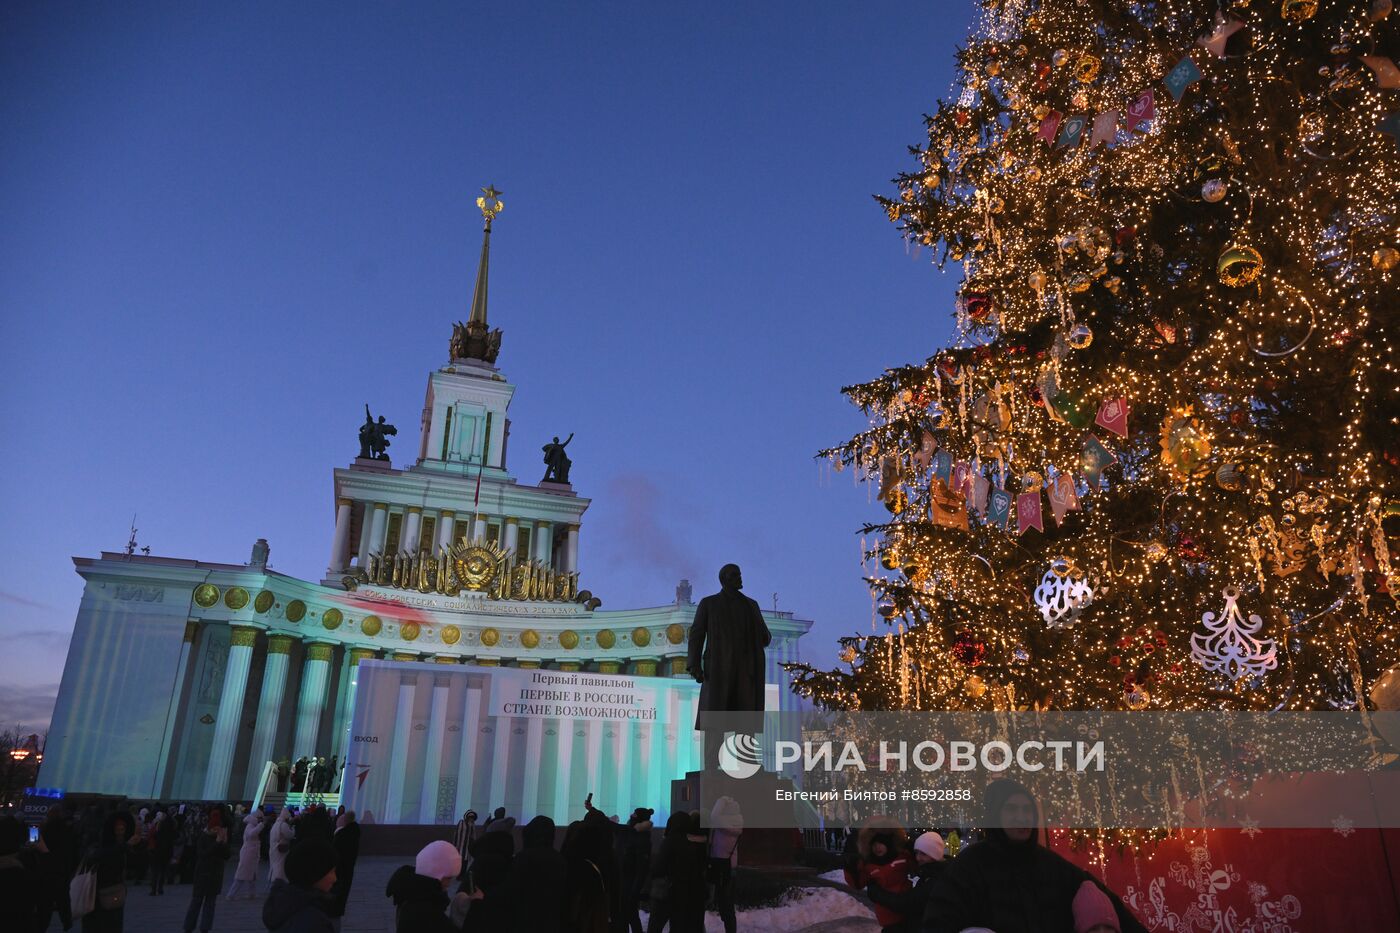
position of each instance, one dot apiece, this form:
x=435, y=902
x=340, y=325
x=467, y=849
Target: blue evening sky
x=228, y=226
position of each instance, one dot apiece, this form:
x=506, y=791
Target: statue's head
x=730, y=577
x=381, y=419
x=556, y=438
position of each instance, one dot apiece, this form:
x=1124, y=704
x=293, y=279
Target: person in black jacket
x=19, y=876
x=301, y=904
x=115, y=841
x=420, y=895
x=58, y=859
x=633, y=854
x=211, y=851
x=1009, y=882
x=347, y=851
x=538, y=867
x=677, y=889
x=162, y=850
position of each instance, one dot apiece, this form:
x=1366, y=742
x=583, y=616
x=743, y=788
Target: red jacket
x=893, y=877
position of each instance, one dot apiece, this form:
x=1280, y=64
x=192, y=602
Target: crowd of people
x=309, y=774
x=598, y=881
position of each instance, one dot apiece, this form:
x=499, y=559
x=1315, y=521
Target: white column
x=500, y=764
x=534, y=742
x=432, y=763
x=544, y=533
x=274, y=684
x=172, y=716
x=563, y=776
x=342, y=737
x=446, y=518
x=398, y=754
x=340, y=544
x=366, y=534
x=240, y=656
x=512, y=535
x=408, y=535
x=622, y=753
x=657, y=759
x=498, y=442
x=571, y=550
x=466, y=755
x=312, y=701
x=380, y=531
x=592, y=755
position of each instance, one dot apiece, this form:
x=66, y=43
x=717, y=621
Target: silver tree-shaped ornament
x=1229, y=645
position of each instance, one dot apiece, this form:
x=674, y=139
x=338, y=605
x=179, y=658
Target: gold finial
x=490, y=203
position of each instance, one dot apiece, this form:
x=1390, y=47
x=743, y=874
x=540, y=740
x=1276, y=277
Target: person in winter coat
x=301, y=903
x=929, y=849
x=726, y=826
x=466, y=835
x=1009, y=882
x=678, y=888
x=346, y=842
x=493, y=856
x=58, y=858
x=537, y=867
x=420, y=894
x=245, y=876
x=19, y=876
x=882, y=848
x=162, y=849
x=211, y=851
x=279, y=845
x=587, y=857
x=115, y=842
x=632, y=850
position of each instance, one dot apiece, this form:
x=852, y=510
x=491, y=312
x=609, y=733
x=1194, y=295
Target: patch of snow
x=801, y=907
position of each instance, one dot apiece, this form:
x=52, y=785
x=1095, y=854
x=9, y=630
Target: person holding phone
x=18, y=876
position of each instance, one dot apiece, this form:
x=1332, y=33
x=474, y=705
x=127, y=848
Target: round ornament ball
x=1032, y=174
x=1230, y=477
x=968, y=649
x=1214, y=190
x=1385, y=695
x=1137, y=698
x=1080, y=336
x=1298, y=11
x=1038, y=280
x=974, y=686
x=1385, y=258
x=1059, y=58
x=1239, y=265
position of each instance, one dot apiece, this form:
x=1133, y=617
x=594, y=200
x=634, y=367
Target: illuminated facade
x=185, y=677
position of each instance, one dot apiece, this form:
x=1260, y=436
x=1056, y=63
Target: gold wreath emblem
x=478, y=565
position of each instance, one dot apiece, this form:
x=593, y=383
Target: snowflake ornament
x=1062, y=593
x=1229, y=645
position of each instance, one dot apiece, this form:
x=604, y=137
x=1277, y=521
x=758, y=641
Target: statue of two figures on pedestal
x=374, y=437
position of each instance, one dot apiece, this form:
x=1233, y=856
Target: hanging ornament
x=968, y=649
x=991, y=418
x=1038, y=280
x=1059, y=58
x=1113, y=416
x=1155, y=551
x=1214, y=190
x=1062, y=593
x=1230, y=477
x=1137, y=697
x=1239, y=265
x=1062, y=497
x=1229, y=645
x=974, y=686
x=1079, y=336
x=1086, y=69
x=978, y=306
x=1385, y=258
x=848, y=654
x=1184, y=445
x=1298, y=11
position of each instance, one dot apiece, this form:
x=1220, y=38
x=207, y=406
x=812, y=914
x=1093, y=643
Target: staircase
x=267, y=796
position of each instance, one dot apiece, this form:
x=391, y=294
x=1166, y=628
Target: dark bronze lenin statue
x=727, y=640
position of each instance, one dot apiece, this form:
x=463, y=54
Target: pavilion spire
x=475, y=340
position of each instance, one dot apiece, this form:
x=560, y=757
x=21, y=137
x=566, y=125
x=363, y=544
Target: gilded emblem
x=451, y=634
x=206, y=595
x=331, y=619
x=606, y=638
x=478, y=565
x=530, y=638
x=408, y=631
x=489, y=637
x=371, y=625
x=296, y=610
x=675, y=633
x=641, y=637
x=568, y=639
x=263, y=601
x=236, y=597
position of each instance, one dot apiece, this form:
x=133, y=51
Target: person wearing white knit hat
x=420, y=897
x=928, y=857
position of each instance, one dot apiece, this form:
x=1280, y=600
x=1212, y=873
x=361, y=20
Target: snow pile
x=801, y=907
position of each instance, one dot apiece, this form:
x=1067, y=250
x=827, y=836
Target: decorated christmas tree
x=1159, y=465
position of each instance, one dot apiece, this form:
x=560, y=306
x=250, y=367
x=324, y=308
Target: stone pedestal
x=372, y=465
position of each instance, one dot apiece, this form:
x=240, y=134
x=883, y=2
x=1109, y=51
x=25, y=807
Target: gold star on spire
x=490, y=203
